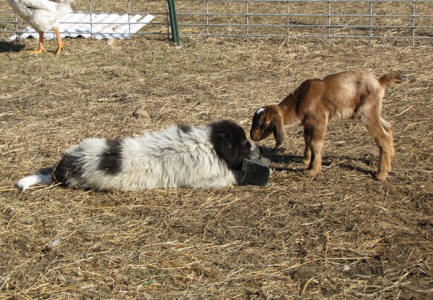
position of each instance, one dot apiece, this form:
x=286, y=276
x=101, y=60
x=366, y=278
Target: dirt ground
x=343, y=235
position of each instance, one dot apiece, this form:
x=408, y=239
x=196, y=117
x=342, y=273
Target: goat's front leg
x=279, y=133
x=389, y=131
x=381, y=131
x=385, y=164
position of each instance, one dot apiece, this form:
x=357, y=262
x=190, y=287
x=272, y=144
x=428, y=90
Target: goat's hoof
x=306, y=161
x=382, y=176
x=279, y=149
x=312, y=173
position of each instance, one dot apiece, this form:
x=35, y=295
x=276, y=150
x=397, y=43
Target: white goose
x=43, y=15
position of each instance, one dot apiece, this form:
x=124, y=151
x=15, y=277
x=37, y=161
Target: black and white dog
x=199, y=157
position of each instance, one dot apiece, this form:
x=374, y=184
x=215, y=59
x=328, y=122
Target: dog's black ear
x=224, y=137
x=227, y=149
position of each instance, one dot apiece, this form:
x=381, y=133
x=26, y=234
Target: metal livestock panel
x=395, y=21
x=407, y=22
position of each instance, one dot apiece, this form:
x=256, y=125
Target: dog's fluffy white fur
x=199, y=157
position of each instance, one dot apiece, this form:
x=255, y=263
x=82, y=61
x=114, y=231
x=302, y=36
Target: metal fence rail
x=407, y=22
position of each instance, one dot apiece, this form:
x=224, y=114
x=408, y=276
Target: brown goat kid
x=315, y=102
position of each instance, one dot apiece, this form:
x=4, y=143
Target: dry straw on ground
x=343, y=235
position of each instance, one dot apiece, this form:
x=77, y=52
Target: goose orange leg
x=60, y=44
x=41, y=44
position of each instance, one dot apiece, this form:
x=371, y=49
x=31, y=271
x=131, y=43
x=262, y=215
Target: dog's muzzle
x=255, y=151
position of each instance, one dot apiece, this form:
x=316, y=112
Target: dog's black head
x=230, y=143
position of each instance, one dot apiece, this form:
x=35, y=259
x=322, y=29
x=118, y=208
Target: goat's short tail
x=392, y=77
x=44, y=176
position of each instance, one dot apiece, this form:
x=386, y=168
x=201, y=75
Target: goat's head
x=263, y=123
x=267, y=120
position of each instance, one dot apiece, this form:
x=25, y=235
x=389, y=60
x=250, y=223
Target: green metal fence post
x=173, y=22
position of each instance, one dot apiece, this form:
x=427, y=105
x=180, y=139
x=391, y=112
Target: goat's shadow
x=10, y=47
x=344, y=161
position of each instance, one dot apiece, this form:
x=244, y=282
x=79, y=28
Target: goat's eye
x=263, y=126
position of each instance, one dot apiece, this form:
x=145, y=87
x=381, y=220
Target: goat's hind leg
x=308, y=132
x=318, y=133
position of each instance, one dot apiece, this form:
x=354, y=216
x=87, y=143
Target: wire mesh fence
x=408, y=22
x=396, y=21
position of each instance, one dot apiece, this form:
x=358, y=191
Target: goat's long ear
x=278, y=130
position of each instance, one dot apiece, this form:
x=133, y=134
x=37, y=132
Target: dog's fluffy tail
x=392, y=77
x=44, y=176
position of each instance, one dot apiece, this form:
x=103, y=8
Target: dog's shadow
x=344, y=162
x=10, y=47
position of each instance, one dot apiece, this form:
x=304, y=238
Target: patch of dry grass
x=342, y=236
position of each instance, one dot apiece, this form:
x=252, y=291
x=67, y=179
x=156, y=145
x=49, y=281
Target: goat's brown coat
x=315, y=102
